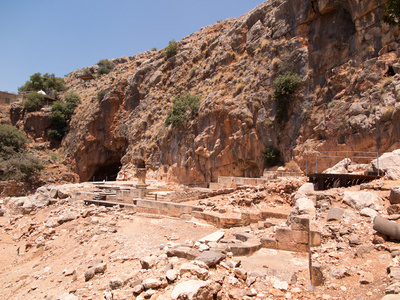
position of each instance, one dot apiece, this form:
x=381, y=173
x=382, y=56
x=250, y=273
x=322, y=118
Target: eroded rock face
x=340, y=49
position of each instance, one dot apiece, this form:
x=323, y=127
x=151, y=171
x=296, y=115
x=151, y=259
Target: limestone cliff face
x=348, y=99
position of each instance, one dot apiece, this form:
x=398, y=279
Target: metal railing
x=337, y=156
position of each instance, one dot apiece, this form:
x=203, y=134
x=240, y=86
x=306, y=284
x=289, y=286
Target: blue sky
x=60, y=36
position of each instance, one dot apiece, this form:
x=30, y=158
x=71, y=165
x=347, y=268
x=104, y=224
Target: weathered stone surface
x=394, y=196
x=151, y=283
x=393, y=288
x=362, y=199
x=171, y=275
x=213, y=237
x=192, y=290
x=368, y=212
x=303, y=207
x=211, y=258
x=67, y=296
x=335, y=214
x=195, y=270
x=183, y=252
x=338, y=273
x=116, y=283
x=393, y=209
x=388, y=164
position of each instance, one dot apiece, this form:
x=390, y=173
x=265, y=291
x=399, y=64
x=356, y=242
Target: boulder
x=394, y=196
x=116, y=283
x=151, y=283
x=195, y=270
x=305, y=190
x=192, y=290
x=335, y=214
x=303, y=207
x=211, y=258
x=388, y=164
x=368, y=212
x=360, y=200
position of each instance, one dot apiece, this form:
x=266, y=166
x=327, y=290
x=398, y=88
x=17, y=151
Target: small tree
x=171, y=49
x=285, y=86
x=11, y=139
x=61, y=114
x=47, y=82
x=34, y=102
x=184, y=107
x=105, y=67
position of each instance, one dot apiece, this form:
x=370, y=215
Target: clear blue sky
x=60, y=36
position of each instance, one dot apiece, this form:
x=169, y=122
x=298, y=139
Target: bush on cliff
x=171, y=49
x=15, y=162
x=184, y=107
x=285, y=86
x=105, y=67
x=11, y=140
x=34, y=102
x=60, y=115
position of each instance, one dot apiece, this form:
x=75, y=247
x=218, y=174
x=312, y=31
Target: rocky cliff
x=348, y=99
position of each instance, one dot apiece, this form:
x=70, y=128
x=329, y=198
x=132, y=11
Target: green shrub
x=272, y=157
x=11, y=139
x=171, y=49
x=21, y=167
x=61, y=114
x=285, y=86
x=184, y=107
x=47, y=82
x=34, y=102
x=105, y=67
x=154, y=49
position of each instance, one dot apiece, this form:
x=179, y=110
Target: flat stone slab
x=276, y=263
x=335, y=214
x=211, y=258
x=213, y=237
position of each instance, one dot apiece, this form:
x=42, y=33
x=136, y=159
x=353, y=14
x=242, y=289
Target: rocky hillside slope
x=348, y=99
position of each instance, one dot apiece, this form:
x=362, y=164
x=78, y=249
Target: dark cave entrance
x=107, y=171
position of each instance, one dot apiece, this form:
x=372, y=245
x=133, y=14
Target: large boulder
x=193, y=290
x=304, y=207
x=388, y=164
x=360, y=200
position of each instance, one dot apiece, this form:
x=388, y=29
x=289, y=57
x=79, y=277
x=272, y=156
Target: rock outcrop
x=348, y=98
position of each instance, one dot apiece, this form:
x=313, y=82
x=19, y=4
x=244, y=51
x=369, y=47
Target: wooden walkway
x=327, y=181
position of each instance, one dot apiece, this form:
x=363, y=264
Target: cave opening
x=107, y=171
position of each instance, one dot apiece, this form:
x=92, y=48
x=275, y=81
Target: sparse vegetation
x=11, y=140
x=184, y=107
x=285, y=86
x=34, y=102
x=171, y=49
x=47, y=82
x=15, y=162
x=105, y=67
x=272, y=157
